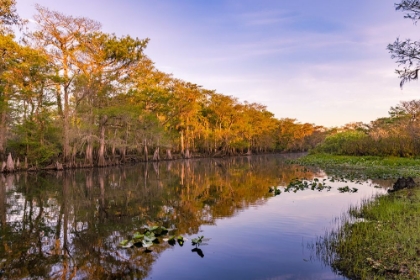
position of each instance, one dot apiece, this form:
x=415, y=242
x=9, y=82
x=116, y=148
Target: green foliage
x=378, y=240
x=35, y=144
x=86, y=93
x=350, y=142
x=153, y=235
x=8, y=15
x=197, y=241
x=364, y=167
x=147, y=239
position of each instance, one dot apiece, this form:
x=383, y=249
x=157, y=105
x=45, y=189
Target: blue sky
x=319, y=61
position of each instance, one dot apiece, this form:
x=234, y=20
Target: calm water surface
x=69, y=225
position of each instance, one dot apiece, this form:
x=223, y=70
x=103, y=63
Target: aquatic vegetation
x=275, y=190
x=150, y=237
x=315, y=184
x=146, y=239
x=377, y=240
x=172, y=240
x=347, y=189
x=197, y=241
x=363, y=167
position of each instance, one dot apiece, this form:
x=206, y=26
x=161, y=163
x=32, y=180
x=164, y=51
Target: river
x=72, y=224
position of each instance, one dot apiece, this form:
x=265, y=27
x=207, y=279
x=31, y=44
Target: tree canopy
x=75, y=94
x=407, y=52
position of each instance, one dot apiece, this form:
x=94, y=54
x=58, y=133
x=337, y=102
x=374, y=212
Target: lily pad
x=137, y=235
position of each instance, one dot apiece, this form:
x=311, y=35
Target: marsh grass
x=364, y=167
x=380, y=239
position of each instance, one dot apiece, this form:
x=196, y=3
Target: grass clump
x=378, y=240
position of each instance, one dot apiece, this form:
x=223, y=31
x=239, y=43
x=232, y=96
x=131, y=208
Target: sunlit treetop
x=8, y=15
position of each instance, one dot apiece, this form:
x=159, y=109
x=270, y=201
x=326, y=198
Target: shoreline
x=57, y=166
x=377, y=239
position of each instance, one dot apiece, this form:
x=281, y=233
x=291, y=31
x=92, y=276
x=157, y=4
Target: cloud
x=262, y=18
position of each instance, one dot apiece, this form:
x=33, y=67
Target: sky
x=318, y=61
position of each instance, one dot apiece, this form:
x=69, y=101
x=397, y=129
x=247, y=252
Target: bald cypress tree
x=407, y=52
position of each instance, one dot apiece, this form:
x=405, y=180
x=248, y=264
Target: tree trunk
x=187, y=154
x=66, y=130
x=146, y=152
x=3, y=202
x=182, y=142
x=169, y=154
x=2, y=133
x=123, y=152
x=156, y=156
x=113, y=149
x=58, y=166
x=89, y=154
x=101, y=155
x=10, y=165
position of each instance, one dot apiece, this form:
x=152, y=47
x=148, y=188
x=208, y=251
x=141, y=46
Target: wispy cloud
x=265, y=17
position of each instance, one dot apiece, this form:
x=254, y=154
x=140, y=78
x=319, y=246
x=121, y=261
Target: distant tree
x=8, y=15
x=409, y=109
x=407, y=52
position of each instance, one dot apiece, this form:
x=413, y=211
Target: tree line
x=71, y=93
x=399, y=133
x=396, y=135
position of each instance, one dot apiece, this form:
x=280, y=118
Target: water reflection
x=69, y=224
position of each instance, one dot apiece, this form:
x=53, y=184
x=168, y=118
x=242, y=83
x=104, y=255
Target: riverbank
x=377, y=240
x=364, y=167
x=11, y=165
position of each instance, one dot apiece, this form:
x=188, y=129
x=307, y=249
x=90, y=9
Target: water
x=70, y=224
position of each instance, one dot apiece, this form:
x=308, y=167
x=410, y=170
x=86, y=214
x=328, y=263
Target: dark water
x=69, y=225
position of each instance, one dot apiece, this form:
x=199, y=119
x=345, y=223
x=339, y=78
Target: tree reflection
x=69, y=224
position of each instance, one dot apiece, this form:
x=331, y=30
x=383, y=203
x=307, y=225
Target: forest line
x=71, y=94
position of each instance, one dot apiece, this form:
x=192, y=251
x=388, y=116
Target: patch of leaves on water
x=318, y=185
x=197, y=242
x=275, y=190
x=146, y=237
x=301, y=185
x=172, y=240
x=347, y=189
